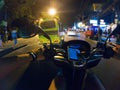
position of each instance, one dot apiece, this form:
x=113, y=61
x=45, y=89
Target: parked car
x=71, y=33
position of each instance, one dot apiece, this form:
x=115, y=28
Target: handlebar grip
x=35, y=53
x=34, y=56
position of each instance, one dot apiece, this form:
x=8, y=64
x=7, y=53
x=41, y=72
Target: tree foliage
x=20, y=8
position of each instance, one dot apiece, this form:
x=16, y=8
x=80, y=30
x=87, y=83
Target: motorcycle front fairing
x=74, y=69
x=85, y=57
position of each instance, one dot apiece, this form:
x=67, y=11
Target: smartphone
x=73, y=53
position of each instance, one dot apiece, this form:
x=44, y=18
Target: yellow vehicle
x=51, y=27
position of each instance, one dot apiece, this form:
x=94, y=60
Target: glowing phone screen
x=73, y=53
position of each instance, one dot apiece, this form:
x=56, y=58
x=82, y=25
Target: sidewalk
x=10, y=44
x=22, y=46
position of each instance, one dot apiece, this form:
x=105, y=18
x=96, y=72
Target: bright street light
x=52, y=11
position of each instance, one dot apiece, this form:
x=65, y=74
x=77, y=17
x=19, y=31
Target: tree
x=19, y=8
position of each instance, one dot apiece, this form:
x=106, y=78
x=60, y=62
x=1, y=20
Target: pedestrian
x=88, y=33
x=105, y=32
x=14, y=36
x=99, y=33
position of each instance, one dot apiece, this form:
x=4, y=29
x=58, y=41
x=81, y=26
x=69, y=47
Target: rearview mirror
x=116, y=30
x=27, y=29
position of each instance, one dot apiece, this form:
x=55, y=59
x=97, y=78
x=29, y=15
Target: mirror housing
x=27, y=28
x=24, y=27
x=114, y=32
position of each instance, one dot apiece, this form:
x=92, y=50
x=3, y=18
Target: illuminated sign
x=94, y=22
